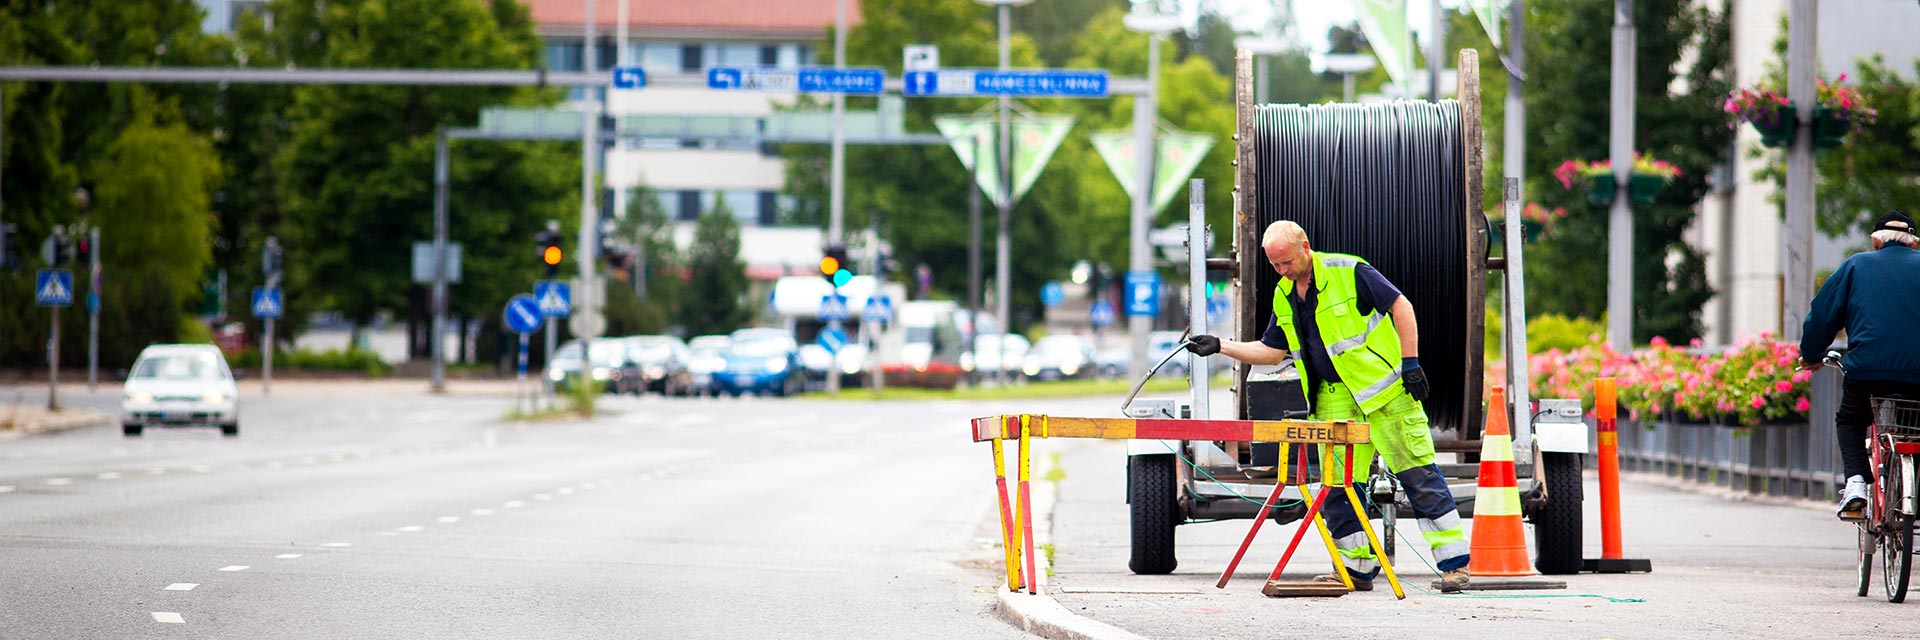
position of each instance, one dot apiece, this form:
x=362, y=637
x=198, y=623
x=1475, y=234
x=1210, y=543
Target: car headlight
x=139, y=397
x=214, y=398
x=656, y=371
x=1069, y=369
x=776, y=365
x=1033, y=368
x=556, y=375
x=601, y=374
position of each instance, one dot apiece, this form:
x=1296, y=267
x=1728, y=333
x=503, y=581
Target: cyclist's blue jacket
x=1875, y=296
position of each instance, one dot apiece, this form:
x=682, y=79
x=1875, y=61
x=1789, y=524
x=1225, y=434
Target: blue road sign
x=832, y=339
x=1065, y=83
x=1143, y=293
x=1217, y=309
x=1052, y=294
x=879, y=309
x=629, y=77
x=523, y=314
x=267, y=302
x=833, y=308
x=93, y=302
x=53, y=288
x=555, y=298
x=1101, y=316
x=852, y=80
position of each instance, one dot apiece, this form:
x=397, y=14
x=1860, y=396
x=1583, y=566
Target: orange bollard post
x=1612, y=557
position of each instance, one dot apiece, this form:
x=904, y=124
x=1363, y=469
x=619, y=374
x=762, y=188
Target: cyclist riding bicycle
x=1875, y=296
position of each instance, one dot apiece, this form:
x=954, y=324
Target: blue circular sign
x=523, y=314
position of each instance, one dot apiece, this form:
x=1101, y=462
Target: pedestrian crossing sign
x=53, y=288
x=267, y=303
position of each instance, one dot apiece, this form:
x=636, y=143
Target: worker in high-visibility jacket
x=1355, y=342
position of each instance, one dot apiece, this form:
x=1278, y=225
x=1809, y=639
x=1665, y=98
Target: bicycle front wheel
x=1896, y=532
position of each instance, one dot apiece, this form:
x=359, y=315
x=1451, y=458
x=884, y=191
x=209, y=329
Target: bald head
x=1285, y=244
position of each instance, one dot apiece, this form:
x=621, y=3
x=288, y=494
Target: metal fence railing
x=1798, y=460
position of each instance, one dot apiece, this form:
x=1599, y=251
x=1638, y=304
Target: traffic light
x=835, y=267
x=84, y=250
x=62, y=249
x=550, y=253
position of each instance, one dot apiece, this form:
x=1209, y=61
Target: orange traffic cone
x=1499, y=544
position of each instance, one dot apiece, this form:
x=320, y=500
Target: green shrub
x=360, y=360
x=1547, y=332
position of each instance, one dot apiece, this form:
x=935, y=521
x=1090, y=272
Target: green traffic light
x=841, y=277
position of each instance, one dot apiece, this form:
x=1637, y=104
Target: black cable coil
x=1383, y=182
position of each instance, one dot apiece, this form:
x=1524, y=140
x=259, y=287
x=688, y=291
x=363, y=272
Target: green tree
x=151, y=204
x=715, y=300
x=1568, y=118
x=1875, y=169
x=1054, y=25
x=659, y=269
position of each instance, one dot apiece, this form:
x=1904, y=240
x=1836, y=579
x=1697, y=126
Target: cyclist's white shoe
x=1853, y=499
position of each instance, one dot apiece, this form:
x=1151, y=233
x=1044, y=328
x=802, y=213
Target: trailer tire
x=1152, y=498
x=1557, y=524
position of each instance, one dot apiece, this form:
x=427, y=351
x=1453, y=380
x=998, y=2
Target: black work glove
x=1203, y=345
x=1414, y=378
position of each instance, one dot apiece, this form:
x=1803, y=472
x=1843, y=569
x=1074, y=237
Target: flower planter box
x=1642, y=187
x=1601, y=189
x=1779, y=134
x=1829, y=130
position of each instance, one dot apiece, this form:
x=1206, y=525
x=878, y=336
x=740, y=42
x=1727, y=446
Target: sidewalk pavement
x=21, y=419
x=1721, y=568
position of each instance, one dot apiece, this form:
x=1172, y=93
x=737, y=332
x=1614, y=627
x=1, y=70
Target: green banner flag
x=975, y=140
x=1177, y=154
x=1489, y=13
x=1385, y=24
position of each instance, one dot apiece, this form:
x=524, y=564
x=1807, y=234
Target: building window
x=689, y=208
x=690, y=58
x=606, y=55
x=660, y=55
x=769, y=208
x=564, y=56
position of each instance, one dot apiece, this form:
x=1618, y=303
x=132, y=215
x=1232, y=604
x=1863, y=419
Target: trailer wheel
x=1153, y=501
x=1556, y=524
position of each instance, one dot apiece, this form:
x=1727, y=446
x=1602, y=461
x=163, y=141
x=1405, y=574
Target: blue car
x=761, y=361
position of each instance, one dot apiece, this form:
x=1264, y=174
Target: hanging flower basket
x=1837, y=111
x=1778, y=134
x=1601, y=189
x=1646, y=187
x=1829, y=130
x=1767, y=110
x=1649, y=178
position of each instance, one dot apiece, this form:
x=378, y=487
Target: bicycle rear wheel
x=1896, y=529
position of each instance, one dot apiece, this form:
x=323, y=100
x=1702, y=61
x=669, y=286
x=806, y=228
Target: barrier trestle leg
x=1009, y=539
x=1026, y=503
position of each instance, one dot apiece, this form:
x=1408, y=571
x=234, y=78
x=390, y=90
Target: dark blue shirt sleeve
x=1372, y=290
x=1274, y=337
x=1828, y=315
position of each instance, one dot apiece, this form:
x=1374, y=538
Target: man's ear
x=1306, y=245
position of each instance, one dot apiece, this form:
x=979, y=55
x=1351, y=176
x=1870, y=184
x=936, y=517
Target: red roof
x=718, y=17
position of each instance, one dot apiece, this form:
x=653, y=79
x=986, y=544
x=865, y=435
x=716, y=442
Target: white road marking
x=59, y=482
x=110, y=475
x=411, y=528
x=448, y=519
x=542, y=496
x=168, y=617
x=482, y=512
x=589, y=485
x=514, y=504
x=275, y=464
x=336, y=544
x=200, y=468
x=565, y=491
x=386, y=533
x=156, y=471
x=6, y=488
x=181, y=586
x=235, y=567
x=309, y=460
x=287, y=556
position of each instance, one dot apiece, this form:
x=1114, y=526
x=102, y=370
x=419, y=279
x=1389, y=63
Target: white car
x=180, y=385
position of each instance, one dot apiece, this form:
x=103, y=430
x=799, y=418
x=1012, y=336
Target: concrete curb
x=1040, y=614
x=23, y=422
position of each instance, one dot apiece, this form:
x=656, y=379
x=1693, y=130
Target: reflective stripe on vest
x=1367, y=358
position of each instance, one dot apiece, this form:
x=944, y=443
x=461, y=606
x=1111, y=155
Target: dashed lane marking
x=110, y=475
x=482, y=512
x=542, y=496
x=287, y=556
x=168, y=617
x=156, y=471
x=6, y=488
x=447, y=519
x=59, y=482
x=336, y=545
x=200, y=468
x=565, y=491
x=181, y=586
x=235, y=567
x=386, y=533
x=514, y=504
x=411, y=528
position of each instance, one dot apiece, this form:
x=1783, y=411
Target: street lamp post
x=1140, y=253
x=1263, y=49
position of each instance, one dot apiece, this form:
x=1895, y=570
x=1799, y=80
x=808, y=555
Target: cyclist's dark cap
x=1895, y=220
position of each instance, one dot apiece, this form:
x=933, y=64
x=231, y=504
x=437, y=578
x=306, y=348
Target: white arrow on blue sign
x=267, y=302
x=833, y=308
x=629, y=78
x=1143, y=293
x=1101, y=315
x=852, y=80
x=879, y=310
x=832, y=339
x=1066, y=83
x=522, y=314
x=53, y=287
x=555, y=298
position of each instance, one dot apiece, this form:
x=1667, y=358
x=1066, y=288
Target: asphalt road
x=357, y=511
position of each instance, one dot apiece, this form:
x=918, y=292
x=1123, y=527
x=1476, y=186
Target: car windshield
x=1059, y=347
x=919, y=334
x=652, y=350
x=707, y=352
x=178, y=366
x=761, y=348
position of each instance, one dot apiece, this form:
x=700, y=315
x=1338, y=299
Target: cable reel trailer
x=1399, y=184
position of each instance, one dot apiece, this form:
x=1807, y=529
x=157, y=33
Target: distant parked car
x=1112, y=362
x=763, y=361
x=817, y=361
x=657, y=364
x=180, y=385
x=608, y=356
x=1059, y=356
x=999, y=355
x=704, y=360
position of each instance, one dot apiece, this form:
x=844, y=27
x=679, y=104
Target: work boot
x=1359, y=584
x=1454, y=581
x=1853, y=499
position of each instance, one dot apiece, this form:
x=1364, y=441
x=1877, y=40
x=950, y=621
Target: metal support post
x=1140, y=253
x=1798, y=233
x=93, y=309
x=439, y=301
x=1003, y=251
x=1197, y=293
x=1515, y=291
x=1436, y=43
x=520, y=389
x=53, y=364
x=837, y=196
x=973, y=272
x=589, y=198
x=1620, y=220
x=552, y=338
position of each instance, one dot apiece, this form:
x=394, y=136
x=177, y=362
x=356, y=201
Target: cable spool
x=1389, y=183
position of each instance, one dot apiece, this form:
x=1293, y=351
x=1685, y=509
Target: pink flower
x=1659, y=341
x=1758, y=403
x=1802, y=376
x=1801, y=405
x=1782, y=386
